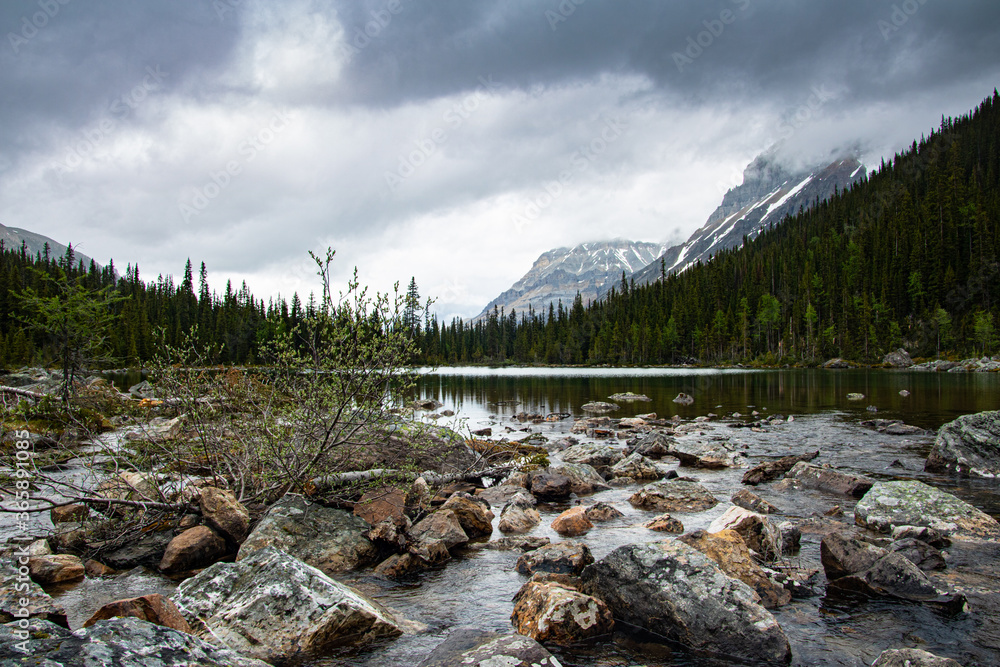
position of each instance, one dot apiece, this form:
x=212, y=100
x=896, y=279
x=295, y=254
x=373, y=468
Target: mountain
x=769, y=192
x=589, y=268
x=35, y=243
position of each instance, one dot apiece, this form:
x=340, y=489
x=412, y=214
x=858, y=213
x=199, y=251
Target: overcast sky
x=449, y=140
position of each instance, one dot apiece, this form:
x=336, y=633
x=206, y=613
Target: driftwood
x=435, y=479
x=24, y=393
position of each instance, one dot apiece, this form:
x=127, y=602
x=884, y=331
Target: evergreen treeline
x=908, y=256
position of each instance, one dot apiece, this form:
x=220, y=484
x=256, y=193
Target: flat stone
x=673, y=496
x=567, y=557
x=751, y=501
x=912, y=657
x=470, y=647
x=769, y=471
x=827, y=479
x=911, y=503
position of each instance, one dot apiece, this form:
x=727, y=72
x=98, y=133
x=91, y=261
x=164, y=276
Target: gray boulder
x=276, y=608
x=116, y=642
x=969, y=445
x=826, y=479
x=476, y=648
x=16, y=588
x=911, y=503
x=583, y=478
x=636, y=466
x=893, y=576
x=912, y=657
x=771, y=470
x=600, y=457
x=673, y=590
x=710, y=455
x=653, y=445
x=329, y=539
x=673, y=496
x=566, y=557
x=899, y=358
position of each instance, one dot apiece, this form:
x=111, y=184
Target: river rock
x=223, y=512
x=382, y=503
x=583, y=478
x=653, y=445
x=894, y=576
x=603, y=511
x=600, y=457
x=673, y=496
x=549, y=612
x=791, y=535
x=829, y=480
x=153, y=608
x=599, y=406
x=550, y=486
x=731, y=554
x=519, y=515
x=630, y=397
x=969, y=445
x=756, y=530
x=664, y=524
x=56, y=569
x=636, y=466
x=749, y=500
x=128, y=485
x=919, y=553
x=444, y=526
x=892, y=427
x=329, y=539
x=470, y=647
x=898, y=358
x=843, y=555
x=274, y=607
x=116, y=642
x=96, y=569
x=705, y=455
x=912, y=657
x=923, y=533
x=683, y=399
x=566, y=557
x=673, y=590
x=17, y=588
x=147, y=551
x=854, y=396
x=473, y=514
x=572, y=523
x=631, y=422
x=197, y=547
x=771, y=470
x=912, y=503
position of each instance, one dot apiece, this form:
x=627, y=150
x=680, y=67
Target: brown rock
x=572, y=522
x=568, y=557
x=756, y=530
x=419, y=496
x=730, y=552
x=153, y=608
x=97, y=569
x=749, y=500
x=603, y=511
x=674, y=496
x=224, y=513
x=446, y=492
x=843, y=555
x=554, y=613
x=55, y=568
x=564, y=580
x=664, y=524
x=551, y=486
x=772, y=470
x=188, y=521
x=379, y=504
x=390, y=532
x=441, y=525
x=827, y=479
x=198, y=547
x=74, y=512
x=518, y=516
x=473, y=514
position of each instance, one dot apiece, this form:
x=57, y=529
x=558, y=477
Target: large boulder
x=843, y=555
x=473, y=514
x=442, y=526
x=600, y=457
x=769, y=471
x=18, y=593
x=673, y=590
x=898, y=358
x=56, y=569
x=476, y=648
x=756, y=530
x=912, y=503
x=653, y=445
x=969, y=445
x=893, y=576
x=223, y=512
x=731, y=554
x=549, y=612
x=153, y=608
x=572, y=522
x=274, y=607
x=583, y=478
x=550, y=486
x=329, y=539
x=636, y=466
x=673, y=496
x=519, y=515
x=912, y=657
x=829, y=480
x=116, y=642
x=711, y=455
x=567, y=557
x=196, y=547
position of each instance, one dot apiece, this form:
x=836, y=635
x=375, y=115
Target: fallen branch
x=344, y=478
x=107, y=502
x=24, y=393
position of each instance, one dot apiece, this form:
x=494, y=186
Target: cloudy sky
x=449, y=140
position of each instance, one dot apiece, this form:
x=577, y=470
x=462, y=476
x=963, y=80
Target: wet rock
x=919, y=553
x=664, y=524
x=673, y=496
x=483, y=432
x=631, y=422
x=599, y=406
x=855, y=397
x=791, y=535
x=673, y=590
x=550, y=486
x=683, y=399
x=427, y=404
x=892, y=427
x=390, y=533
x=567, y=557
x=829, y=480
x=969, y=445
x=630, y=397
x=95, y=569
x=276, y=608
x=600, y=457
x=518, y=543
x=329, y=539
x=751, y=501
x=572, y=523
x=922, y=533
x=18, y=593
x=756, y=530
x=519, y=515
x=198, y=547
x=476, y=648
x=912, y=657
x=731, y=554
x=378, y=504
x=223, y=512
x=771, y=470
x=603, y=511
x=442, y=525
x=147, y=551
x=836, y=362
x=894, y=576
x=473, y=514
x=56, y=569
x=653, y=445
x=912, y=503
x=711, y=455
x=74, y=512
x=843, y=555
x=419, y=557
x=636, y=466
x=448, y=490
x=118, y=642
x=583, y=478
x=153, y=608
x=549, y=612
x=898, y=358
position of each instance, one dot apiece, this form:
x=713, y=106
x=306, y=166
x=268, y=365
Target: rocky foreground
x=267, y=589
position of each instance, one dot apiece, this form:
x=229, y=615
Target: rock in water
x=473, y=514
x=970, y=445
x=474, y=648
x=912, y=657
x=756, y=530
x=117, y=642
x=684, y=399
x=899, y=358
x=561, y=615
x=224, y=513
x=772, y=470
x=731, y=554
x=194, y=548
x=825, y=479
x=673, y=496
x=572, y=522
x=912, y=503
x=153, y=608
x=276, y=608
x=19, y=593
x=567, y=557
x=518, y=515
x=672, y=589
